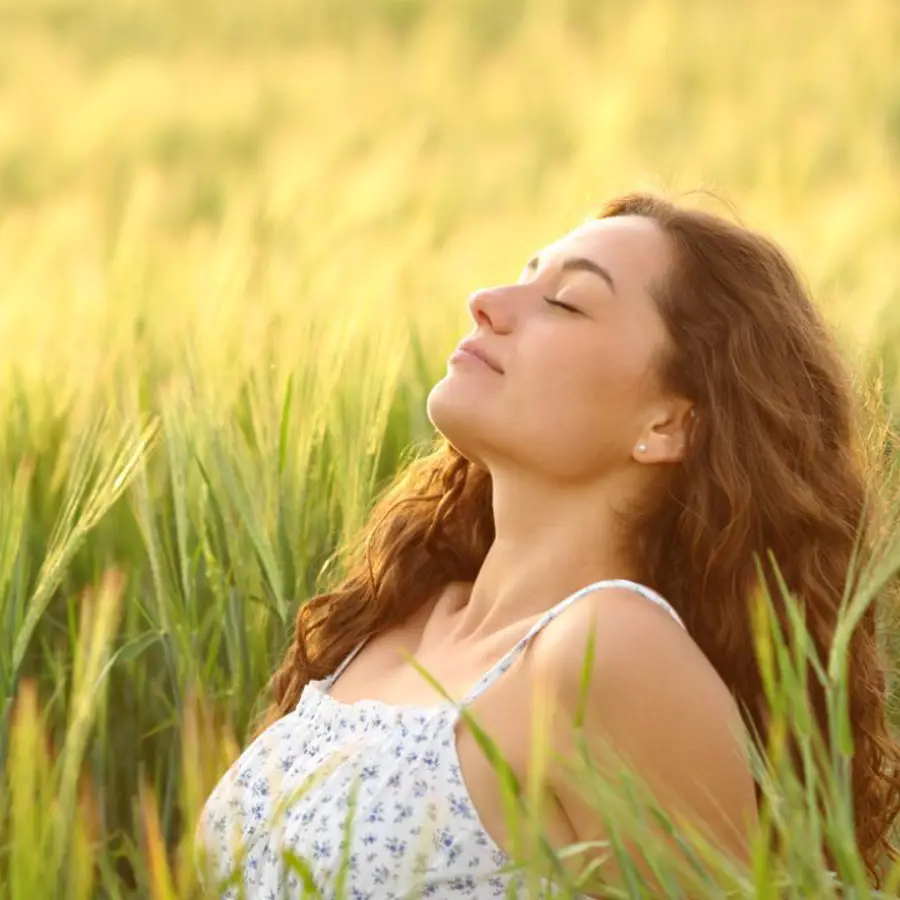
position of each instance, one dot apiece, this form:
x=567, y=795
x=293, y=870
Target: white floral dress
x=414, y=831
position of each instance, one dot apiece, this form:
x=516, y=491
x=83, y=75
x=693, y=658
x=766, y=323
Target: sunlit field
x=236, y=245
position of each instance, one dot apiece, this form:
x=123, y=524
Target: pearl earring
x=642, y=448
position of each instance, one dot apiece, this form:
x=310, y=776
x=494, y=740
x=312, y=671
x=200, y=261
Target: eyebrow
x=580, y=264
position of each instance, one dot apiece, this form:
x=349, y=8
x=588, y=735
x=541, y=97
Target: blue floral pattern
x=389, y=773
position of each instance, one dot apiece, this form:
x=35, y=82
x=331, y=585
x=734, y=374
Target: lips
x=473, y=347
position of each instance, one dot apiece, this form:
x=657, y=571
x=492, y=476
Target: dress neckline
x=319, y=687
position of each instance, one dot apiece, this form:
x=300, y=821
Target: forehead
x=633, y=248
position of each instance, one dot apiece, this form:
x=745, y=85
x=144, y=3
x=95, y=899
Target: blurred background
x=236, y=245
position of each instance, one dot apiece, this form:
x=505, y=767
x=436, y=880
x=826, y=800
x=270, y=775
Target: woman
x=651, y=407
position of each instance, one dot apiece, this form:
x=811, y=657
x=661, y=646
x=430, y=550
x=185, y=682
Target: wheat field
x=236, y=244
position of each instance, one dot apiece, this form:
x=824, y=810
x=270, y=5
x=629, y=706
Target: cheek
x=588, y=378
x=576, y=416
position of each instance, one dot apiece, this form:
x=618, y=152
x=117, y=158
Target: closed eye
x=553, y=302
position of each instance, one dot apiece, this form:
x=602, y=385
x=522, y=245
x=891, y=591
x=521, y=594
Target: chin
x=455, y=417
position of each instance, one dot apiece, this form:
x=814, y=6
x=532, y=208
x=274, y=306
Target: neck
x=551, y=540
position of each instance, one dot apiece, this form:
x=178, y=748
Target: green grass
x=236, y=242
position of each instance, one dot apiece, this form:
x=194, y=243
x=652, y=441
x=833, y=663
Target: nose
x=488, y=307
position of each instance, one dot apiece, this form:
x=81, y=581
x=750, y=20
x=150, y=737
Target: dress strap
x=499, y=668
x=333, y=677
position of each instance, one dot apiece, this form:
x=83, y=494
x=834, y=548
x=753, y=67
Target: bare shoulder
x=655, y=697
x=637, y=645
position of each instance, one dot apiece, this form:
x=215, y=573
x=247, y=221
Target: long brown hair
x=774, y=463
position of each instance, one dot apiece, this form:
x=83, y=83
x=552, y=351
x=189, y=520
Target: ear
x=665, y=433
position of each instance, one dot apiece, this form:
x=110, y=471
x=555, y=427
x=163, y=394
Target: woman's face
x=577, y=384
